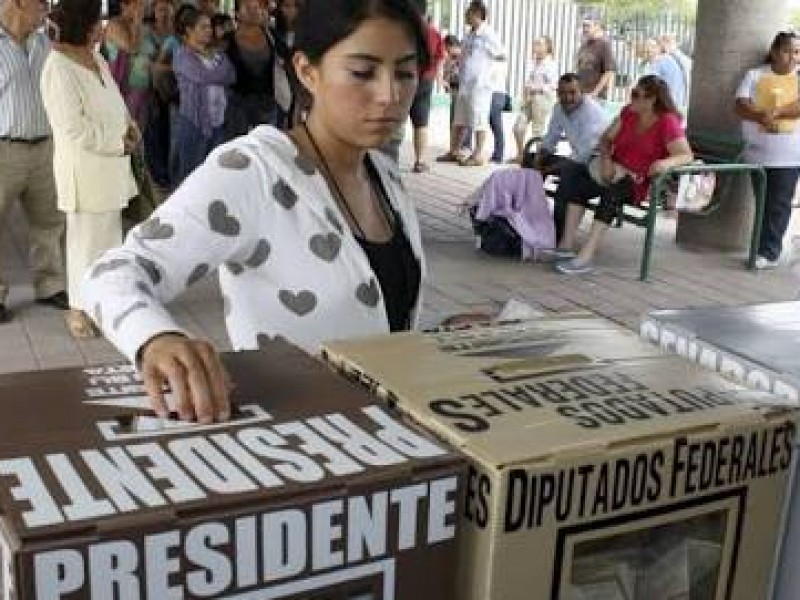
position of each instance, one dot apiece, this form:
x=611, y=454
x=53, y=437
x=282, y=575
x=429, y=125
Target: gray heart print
x=300, y=303
x=150, y=268
x=284, y=195
x=108, y=266
x=306, y=165
x=233, y=159
x=333, y=219
x=197, y=274
x=220, y=221
x=154, y=229
x=368, y=293
x=260, y=254
x=142, y=287
x=325, y=246
x=234, y=267
x=127, y=313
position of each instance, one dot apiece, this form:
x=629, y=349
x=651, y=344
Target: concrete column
x=732, y=36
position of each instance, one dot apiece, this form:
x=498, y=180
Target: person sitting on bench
x=582, y=120
x=647, y=138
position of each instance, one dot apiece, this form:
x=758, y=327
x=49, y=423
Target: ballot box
x=596, y=470
x=313, y=490
x=758, y=345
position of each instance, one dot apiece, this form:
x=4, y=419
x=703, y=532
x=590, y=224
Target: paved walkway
x=460, y=280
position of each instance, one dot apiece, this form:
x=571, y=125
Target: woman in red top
x=647, y=138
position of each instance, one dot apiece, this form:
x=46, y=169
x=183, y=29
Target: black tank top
x=394, y=264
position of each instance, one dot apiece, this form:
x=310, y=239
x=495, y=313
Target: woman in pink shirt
x=647, y=138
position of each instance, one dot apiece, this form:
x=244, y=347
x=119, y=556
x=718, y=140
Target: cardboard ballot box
x=312, y=491
x=756, y=345
x=593, y=476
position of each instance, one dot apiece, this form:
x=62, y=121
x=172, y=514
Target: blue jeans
x=496, y=125
x=191, y=147
x=781, y=184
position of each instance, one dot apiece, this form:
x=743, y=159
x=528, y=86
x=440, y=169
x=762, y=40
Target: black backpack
x=496, y=236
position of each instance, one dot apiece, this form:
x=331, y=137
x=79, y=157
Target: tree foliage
x=621, y=9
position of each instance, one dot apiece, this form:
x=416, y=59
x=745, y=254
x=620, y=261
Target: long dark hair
x=281, y=25
x=72, y=21
x=187, y=17
x=779, y=42
x=655, y=87
x=316, y=34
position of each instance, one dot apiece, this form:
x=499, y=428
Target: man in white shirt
x=481, y=49
x=26, y=150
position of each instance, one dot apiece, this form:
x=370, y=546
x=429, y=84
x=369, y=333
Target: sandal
x=472, y=161
x=80, y=326
x=448, y=158
x=420, y=167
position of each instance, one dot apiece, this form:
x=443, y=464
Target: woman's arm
x=605, y=146
x=680, y=153
x=213, y=218
x=746, y=109
x=61, y=96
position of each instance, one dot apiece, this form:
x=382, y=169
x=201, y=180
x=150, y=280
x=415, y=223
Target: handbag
x=143, y=204
x=495, y=236
x=695, y=191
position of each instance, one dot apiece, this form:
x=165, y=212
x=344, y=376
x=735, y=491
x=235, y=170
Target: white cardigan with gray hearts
x=264, y=216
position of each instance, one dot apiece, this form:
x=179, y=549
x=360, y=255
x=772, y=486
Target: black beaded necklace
x=340, y=198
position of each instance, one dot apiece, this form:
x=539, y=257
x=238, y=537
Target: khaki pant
x=89, y=235
x=26, y=175
x=535, y=111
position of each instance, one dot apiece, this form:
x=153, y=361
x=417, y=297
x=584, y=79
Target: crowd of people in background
x=168, y=83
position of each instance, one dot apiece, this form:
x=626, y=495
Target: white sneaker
x=763, y=263
x=574, y=266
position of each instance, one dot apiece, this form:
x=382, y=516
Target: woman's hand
x=192, y=368
x=607, y=169
x=132, y=139
x=657, y=167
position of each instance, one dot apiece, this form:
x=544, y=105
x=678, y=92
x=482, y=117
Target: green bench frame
x=721, y=154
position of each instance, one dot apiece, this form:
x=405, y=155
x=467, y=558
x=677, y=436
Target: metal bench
x=721, y=153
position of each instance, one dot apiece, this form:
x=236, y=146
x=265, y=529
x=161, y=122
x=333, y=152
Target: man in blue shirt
x=581, y=120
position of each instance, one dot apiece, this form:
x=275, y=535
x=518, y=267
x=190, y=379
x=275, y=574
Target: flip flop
x=472, y=162
x=448, y=158
x=420, y=167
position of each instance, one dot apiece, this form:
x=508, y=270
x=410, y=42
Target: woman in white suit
x=93, y=136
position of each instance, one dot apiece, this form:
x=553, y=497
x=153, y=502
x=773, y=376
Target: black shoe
x=58, y=300
x=5, y=314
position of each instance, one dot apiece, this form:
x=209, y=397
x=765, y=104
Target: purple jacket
x=193, y=79
x=518, y=195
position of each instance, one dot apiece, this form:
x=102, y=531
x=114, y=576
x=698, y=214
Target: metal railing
x=519, y=22
x=659, y=185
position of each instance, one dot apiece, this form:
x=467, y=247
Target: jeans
x=191, y=147
x=157, y=143
x=781, y=184
x=496, y=125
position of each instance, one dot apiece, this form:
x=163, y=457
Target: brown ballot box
x=312, y=491
x=605, y=474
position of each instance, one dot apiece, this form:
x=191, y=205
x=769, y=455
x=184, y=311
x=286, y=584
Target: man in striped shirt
x=26, y=150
